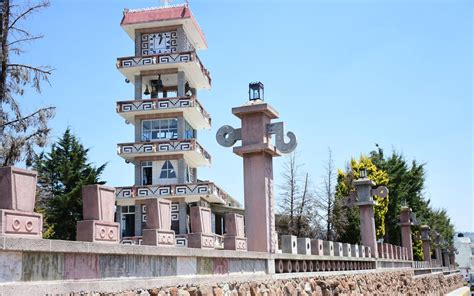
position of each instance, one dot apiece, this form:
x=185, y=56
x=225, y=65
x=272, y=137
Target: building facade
x=464, y=254
x=167, y=74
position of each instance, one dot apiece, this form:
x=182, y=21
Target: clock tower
x=167, y=74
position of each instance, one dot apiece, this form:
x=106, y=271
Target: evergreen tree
x=61, y=174
x=406, y=185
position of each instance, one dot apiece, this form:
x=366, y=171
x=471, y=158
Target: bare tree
x=290, y=191
x=326, y=196
x=296, y=215
x=20, y=133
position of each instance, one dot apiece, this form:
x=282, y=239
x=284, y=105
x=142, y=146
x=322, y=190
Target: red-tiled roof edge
x=183, y=11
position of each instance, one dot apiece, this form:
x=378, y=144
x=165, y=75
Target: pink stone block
x=235, y=243
x=234, y=238
x=234, y=225
x=81, y=266
x=17, y=189
x=20, y=224
x=158, y=214
x=98, y=203
x=157, y=237
x=201, y=240
x=200, y=220
x=98, y=231
x=317, y=247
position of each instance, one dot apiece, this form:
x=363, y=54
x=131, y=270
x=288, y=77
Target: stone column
x=426, y=240
x=138, y=87
x=181, y=83
x=445, y=257
x=257, y=152
x=366, y=208
x=405, y=227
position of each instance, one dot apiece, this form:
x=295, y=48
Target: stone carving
x=227, y=135
x=158, y=223
x=201, y=235
x=98, y=212
x=234, y=238
x=277, y=128
x=17, y=200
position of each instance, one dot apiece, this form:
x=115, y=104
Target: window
x=160, y=129
x=128, y=221
x=147, y=172
x=167, y=171
x=189, y=132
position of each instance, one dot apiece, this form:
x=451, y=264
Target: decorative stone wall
x=370, y=283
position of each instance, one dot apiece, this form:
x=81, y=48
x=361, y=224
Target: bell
x=147, y=91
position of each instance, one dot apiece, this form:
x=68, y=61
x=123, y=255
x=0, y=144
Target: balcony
x=192, y=110
x=193, y=153
x=192, y=192
x=197, y=75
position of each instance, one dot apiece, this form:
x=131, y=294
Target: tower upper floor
x=163, y=30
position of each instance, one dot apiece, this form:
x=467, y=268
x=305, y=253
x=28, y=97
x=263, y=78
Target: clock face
x=159, y=43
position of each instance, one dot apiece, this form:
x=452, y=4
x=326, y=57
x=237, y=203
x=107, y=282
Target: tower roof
x=134, y=19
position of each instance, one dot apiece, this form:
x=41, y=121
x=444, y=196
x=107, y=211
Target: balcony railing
x=171, y=103
x=130, y=150
x=421, y=264
x=166, y=58
x=203, y=189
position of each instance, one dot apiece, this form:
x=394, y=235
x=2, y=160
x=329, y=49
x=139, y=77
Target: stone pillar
x=138, y=43
x=98, y=212
x=17, y=202
x=452, y=259
x=183, y=217
x=181, y=84
x=366, y=209
x=201, y=235
x=445, y=255
x=405, y=228
x=158, y=223
x=234, y=238
x=257, y=152
x=138, y=87
x=138, y=220
x=426, y=240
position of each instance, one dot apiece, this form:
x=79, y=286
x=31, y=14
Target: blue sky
x=343, y=74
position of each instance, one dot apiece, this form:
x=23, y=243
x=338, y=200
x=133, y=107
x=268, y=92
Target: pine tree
x=61, y=174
